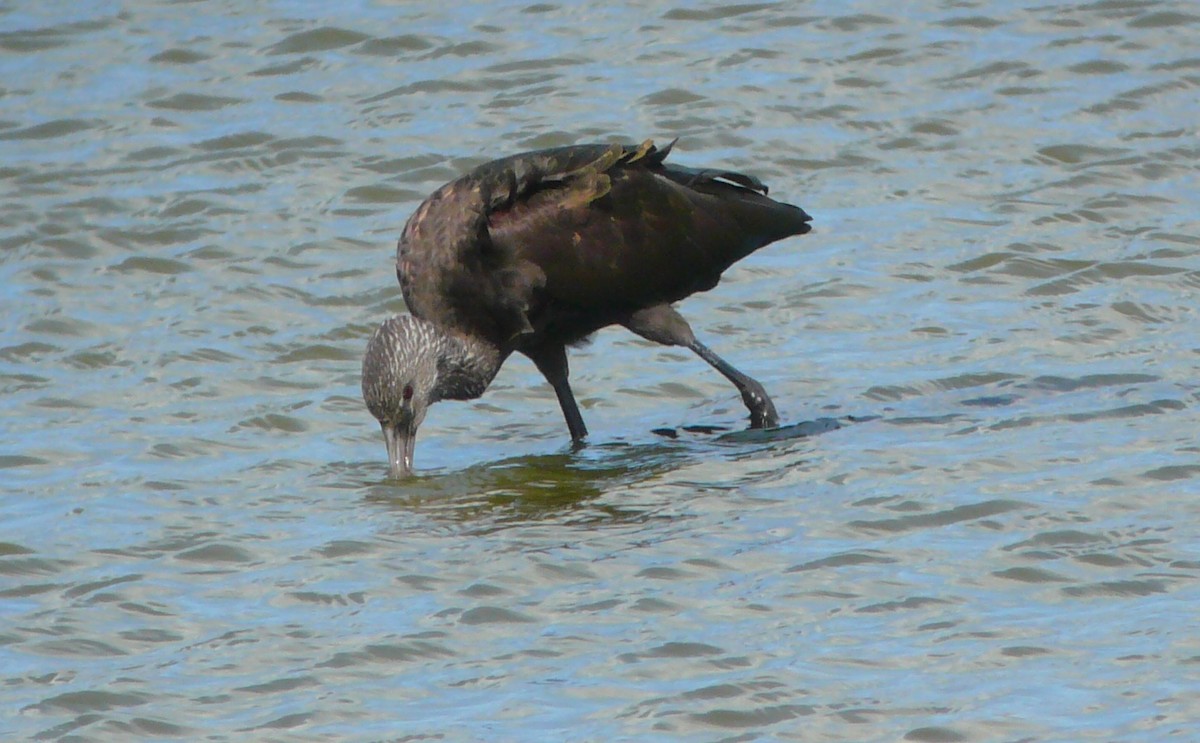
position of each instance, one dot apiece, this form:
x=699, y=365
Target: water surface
x=982, y=525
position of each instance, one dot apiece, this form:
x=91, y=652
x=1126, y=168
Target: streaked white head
x=399, y=378
x=412, y=363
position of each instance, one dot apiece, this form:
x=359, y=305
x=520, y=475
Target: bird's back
x=568, y=240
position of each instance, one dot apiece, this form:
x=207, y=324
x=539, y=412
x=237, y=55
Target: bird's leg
x=762, y=410
x=662, y=324
x=552, y=363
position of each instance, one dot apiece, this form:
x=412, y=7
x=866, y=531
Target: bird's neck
x=466, y=366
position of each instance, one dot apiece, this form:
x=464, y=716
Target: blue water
x=981, y=524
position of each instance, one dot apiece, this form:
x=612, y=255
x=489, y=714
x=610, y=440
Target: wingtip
x=660, y=153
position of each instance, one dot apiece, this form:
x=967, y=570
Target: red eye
x=408, y=392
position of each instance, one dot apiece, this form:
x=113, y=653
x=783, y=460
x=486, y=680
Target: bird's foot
x=762, y=410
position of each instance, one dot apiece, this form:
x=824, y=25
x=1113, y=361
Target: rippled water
x=1001, y=541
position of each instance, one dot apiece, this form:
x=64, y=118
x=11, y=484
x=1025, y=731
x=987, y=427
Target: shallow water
x=982, y=524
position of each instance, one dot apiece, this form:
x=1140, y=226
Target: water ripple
x=991, y=329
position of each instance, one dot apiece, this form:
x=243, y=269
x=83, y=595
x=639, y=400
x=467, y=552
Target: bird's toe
x=762, y=410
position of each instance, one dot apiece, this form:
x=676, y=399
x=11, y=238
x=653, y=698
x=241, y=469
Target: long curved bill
x=400, y=444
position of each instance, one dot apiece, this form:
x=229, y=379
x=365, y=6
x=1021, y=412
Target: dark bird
x=535, y=252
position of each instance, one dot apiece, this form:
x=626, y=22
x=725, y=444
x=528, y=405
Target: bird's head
x=399, y=378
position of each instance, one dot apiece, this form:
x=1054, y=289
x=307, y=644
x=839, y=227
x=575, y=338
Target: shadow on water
x=800, y=430
x=565, y=486
x=571, y=485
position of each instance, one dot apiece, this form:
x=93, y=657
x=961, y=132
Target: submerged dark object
x=534, y=252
